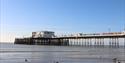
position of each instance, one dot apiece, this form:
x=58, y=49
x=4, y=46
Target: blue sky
x=21, y=17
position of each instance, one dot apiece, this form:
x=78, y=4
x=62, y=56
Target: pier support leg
x=85, y=42
x=103, y=42
x=109, y=42
x=124, y=42
x=95, y=43
x=90, y=42
x=117, y=44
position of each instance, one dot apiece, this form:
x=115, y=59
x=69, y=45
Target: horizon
x=21, y=17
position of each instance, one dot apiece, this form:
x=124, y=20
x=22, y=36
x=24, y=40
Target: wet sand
x=10, y=53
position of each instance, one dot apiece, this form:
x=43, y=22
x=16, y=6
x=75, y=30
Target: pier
x=112, y=39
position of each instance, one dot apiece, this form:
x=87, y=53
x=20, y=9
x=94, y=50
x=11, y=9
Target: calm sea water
x=14, y=53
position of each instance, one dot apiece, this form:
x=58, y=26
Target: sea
x=19, y=53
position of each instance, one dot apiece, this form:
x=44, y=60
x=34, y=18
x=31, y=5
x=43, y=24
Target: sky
x=18, y=18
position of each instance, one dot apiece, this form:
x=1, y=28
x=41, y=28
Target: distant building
x=44, y=34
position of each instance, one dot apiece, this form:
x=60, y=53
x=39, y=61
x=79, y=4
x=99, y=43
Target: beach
x=15, y=53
